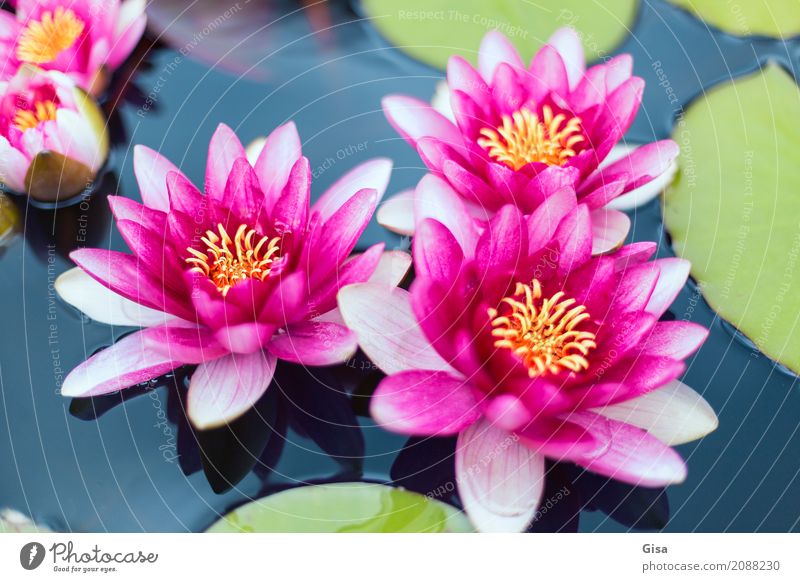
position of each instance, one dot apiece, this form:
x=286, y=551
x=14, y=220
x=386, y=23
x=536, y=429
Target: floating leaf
x=734, y=210
x=778, y=18
x=344, y=507
x=434, y=30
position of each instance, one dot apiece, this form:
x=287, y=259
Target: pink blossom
x=232, y=279
x=525, y=345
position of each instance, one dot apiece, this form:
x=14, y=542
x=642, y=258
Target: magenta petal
x=504, y=243
x=126, y=209
x=500, y=481
x=471, y=186
x=244, y=338
x=183, y=195
x=357, y=269
x=462, y=76
x=544, y=221
x=314, y=343
x=629, y=454
x=328, y=245
x=675, y=339
x=373, y=174
x=291, y=211
x=130, y=361
x=120, y=273
x=495, y=49
x=223, y=150
x=288, y=301
x=187, y=344
x=641, y=373
x=507, y=412
x=566, y=41
x=557, y=438
x=151, y=169
x=547, y=69
x=415, y=119
x=223, y=389
x=242, y=197
x=634, y=254
x=424, y=402
x=280, y=153
x=574, y=236
x=437, y=254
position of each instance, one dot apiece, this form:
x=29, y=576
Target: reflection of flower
x=82, y=38
x=52, y=136
x=232, y=280
x=527, y=347
x=523, y=134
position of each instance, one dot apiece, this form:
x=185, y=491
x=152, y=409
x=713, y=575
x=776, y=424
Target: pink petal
x=496, y=49
x=629, y=454
x=130, y=361
x=13, y=166
x=374, y=174
x=224, y=149
x=437, y=254
x=548, y=69
x=386, y=328
x=436, y=199
x=609, y=230
x=357, y=269
x=504, y=244
x=675, y=339
x=276, y=160
x=674, y=414
x=245, y=338
x=500, y=481
x=414, y=119
x=397, y=213
x=103, y=305
x=130, y=26
x=462, y=76
x=314, y=343
x=574, y=236
x=290, y=213
x=424, y=402
x=223, y=389
x=507, y=412
x=151, y=169
x=544, y=221
x=392, y=268
x=568, y=44
x=672, y=278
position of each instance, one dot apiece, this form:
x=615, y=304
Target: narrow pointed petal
x=566, y=41
x=437, y=254
x=415, y=119
x=436, y=199
x=424, y=402
x=222, y=390
x=374, y=174
x=224, y=149
x=386, y=328
x=674, y=339
x=674, y=414
x=276, y=160
x=500, y=481
x=101, y=304
x=151, y=169
x=671, y=279
x=134, y=359
x=496, y=49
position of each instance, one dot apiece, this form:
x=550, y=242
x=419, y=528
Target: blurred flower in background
x=85, y=39
x=53, y=137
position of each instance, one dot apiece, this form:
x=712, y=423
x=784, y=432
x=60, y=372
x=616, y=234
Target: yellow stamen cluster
x=228, y=261
x=543, y=333
x=524, y=138
x=30, y=118
x=43, y=40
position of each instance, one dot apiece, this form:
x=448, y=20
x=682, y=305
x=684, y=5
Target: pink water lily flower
x=84, y=39
x=53, y=138
x=523, y=133
x=232, y=279
x=527, y=347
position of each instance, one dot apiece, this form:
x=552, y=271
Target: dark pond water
x=134, y=465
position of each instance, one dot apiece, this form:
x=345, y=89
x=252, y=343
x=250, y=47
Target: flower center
x=524, y=138
x=29, y=118
x=43, y=40
x=228, y=261
x=544, y=333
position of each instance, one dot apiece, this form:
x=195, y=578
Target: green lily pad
x=434, y=30
x=776, y=18
x=734, y=210
x=344, y=507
